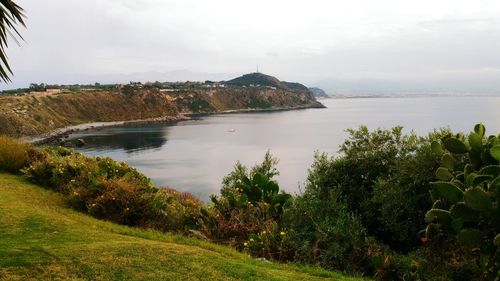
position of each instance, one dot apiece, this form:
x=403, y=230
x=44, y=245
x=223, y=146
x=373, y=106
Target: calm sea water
x=195, y=155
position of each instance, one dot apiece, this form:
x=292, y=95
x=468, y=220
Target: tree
x=11, y=15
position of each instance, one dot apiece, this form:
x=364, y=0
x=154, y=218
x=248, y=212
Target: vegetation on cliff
x=259, y=79
x=46, y=108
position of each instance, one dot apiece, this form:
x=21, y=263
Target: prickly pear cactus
x=466, y=201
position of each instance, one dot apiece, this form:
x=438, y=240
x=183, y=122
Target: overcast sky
x=340, y=45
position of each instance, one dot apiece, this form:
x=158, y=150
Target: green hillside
x=41, y=239
x=39, y=113
x=261, y=79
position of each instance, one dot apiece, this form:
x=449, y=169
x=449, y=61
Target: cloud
x=68, y=41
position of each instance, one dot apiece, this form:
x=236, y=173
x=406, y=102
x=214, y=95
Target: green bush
x=383, y=177
x=443, y=262
x=113, y=191
x=323, y=231
x=13, y=154
x=249, y=211
x=401, y=197
x=269, y=243
x=466, y=200
x=367, y=206
x=185, y=210
x=367, y=158
x=117, y=200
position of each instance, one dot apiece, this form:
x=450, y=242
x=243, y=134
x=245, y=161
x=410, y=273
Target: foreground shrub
x=401, y=197
x=324, y=232
x=466, y=201
x=383, y=177
x=362, y=210
x=249, y=211
x=111, y=190
x=117, y=200
x=13, y=154
x=444, y=262
x=185, y=211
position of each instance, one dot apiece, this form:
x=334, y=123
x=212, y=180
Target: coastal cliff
x=41, y=112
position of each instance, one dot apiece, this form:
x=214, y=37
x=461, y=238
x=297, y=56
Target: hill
x=260, y=79
x=41, y=112
x=318, y=93
x=41, y=239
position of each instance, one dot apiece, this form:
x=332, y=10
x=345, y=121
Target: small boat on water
x=231, y=130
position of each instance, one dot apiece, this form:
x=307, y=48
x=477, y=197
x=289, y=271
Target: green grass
x=42, y=239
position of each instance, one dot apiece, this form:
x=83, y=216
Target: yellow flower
x=282, y=233
x=251, y=239
x=263, y=232
x=245, y=244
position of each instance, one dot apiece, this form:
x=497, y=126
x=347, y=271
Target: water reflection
x=195, y=155
x=127, y=138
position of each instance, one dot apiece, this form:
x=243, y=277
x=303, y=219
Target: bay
x=195, y=155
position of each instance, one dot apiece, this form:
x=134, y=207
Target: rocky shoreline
x=257, y=110
x=58, y=136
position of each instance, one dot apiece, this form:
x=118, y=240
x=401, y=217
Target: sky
x=341, y=46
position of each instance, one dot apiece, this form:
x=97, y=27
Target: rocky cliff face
x=39, y=113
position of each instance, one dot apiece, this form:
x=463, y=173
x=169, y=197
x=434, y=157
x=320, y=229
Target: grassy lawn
x=42, y=239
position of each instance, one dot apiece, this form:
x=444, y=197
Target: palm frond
x=11, y=15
